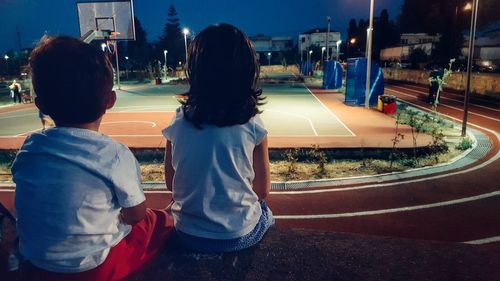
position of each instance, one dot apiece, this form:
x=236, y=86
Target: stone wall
x=482, y=83
x=279, y=69
x=263, y=69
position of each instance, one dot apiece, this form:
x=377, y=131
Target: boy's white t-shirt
x=70, y=187
x=212, y=185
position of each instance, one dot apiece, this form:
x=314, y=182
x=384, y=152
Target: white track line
x=443, y=97
x=448, y=93
x=452, y=107
x=388, y=211
x=331, y=112
x=484, y=241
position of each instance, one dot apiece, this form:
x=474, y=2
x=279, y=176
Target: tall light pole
x=269, y=58
x=369, y=57
x=126, y=67
x=310, y=58
x=470, y=59
x=165, y=52
x=185, y=31
x=338, y=50
x=328, y=19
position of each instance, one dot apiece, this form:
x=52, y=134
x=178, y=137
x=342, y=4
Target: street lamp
x=472, y=35
x=467, y=7
x=369, y=57
x=126, y=66
x=6, y=57
x=165, y=52
x=310, y=57
x=185, y=31
x=269, y=58
x=338, y=50
x=328, y=19
x=322, y=52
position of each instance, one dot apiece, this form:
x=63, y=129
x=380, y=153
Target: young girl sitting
x=216, y=158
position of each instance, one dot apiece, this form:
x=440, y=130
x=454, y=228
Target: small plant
x=398, y=137
x=441, y=81
x=292, y=157
x=320, y=158
x=438, y=144
x=464, y=144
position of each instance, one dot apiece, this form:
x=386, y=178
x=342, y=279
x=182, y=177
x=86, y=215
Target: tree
x=171, y=39
x=385, y=34
x=417, y=57
x=139, y=51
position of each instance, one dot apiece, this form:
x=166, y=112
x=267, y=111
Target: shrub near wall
x=482, y=83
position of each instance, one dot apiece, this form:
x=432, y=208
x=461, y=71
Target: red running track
x=459, y=207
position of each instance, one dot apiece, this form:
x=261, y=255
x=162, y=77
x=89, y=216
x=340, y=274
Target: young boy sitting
x=80, y=207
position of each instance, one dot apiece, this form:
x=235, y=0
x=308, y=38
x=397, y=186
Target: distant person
x=216, y=157
x=15, y=88
x=81, y=209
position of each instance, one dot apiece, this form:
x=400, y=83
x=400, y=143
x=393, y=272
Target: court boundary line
x=330, y=111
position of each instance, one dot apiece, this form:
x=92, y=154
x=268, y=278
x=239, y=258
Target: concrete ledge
x=314, y=255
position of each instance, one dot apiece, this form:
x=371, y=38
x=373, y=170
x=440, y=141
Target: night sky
x=33, y=18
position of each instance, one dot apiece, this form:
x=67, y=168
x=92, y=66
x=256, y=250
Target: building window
x=303, y=40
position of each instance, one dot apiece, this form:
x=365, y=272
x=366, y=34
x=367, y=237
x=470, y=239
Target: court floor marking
x=452, y=107
x=299, y=116
x=331, y=112
x=446, y=98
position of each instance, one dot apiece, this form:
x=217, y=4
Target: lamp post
x=328, y=19
x=126, y=67
x=369, y=57
x=338, y=50
x=269, y=58
x=6, y=57
x=470, y=59
x=165, y=52
x=310, y=59
x=322, y=53
x=185, y=31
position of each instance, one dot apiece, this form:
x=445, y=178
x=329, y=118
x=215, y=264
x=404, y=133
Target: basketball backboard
x=112, y=17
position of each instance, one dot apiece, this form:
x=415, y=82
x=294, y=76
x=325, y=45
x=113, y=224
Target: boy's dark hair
x=222, y=72
x=71, y=79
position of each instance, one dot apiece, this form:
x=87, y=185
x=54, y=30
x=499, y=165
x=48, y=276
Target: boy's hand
x=134, y=214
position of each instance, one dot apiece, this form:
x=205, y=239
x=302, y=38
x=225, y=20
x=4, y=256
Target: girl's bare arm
x=262, y=180
x=169, y=170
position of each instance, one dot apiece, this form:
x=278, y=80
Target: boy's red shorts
x=144, y=242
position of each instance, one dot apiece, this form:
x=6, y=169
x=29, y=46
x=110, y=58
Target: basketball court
x=142, y=111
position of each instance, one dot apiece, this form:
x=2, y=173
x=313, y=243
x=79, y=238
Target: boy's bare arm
x=262, y=180
x=169, y=170
x=134, y=214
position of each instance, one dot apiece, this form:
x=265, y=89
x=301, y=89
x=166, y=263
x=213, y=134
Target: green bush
x=464, y=144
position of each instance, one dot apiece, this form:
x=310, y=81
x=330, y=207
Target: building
x=268, y=44
x=487, y=47
x=317, y=37
x=407, y=39
x=408, y=43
